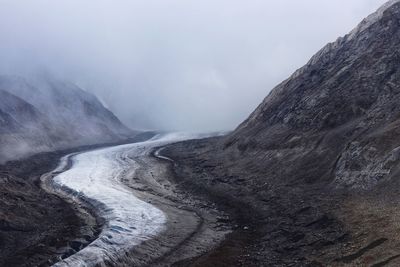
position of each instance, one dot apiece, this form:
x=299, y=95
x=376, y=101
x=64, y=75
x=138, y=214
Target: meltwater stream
x=96, y=176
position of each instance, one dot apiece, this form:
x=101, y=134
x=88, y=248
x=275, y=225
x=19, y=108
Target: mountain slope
x=52, y=115
x=311, y=177
x=341, y=106
x=21, y=126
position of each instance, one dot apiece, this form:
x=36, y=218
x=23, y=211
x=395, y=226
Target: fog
x=172, y=64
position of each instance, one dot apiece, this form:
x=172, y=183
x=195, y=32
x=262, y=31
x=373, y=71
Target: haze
x=169, y=64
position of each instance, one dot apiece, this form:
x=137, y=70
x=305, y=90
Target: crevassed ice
x=95, y=175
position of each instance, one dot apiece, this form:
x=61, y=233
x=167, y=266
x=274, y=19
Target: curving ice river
x=96, y=177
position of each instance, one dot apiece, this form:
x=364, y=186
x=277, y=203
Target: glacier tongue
x=95, y=176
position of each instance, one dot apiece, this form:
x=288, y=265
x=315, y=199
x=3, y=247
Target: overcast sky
x=173, y=64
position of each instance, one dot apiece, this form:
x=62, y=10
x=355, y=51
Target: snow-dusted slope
x=23, y=128
x=51, y=115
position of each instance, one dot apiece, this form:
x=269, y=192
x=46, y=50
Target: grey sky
x=173, y=64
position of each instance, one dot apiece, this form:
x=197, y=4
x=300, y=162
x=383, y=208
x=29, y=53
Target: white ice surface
x=96, y=175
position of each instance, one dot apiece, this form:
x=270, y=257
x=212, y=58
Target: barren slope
x=316, y=164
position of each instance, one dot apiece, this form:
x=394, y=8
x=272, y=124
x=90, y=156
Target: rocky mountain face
x=311, y=177
x=51, y=115
x=338, y=116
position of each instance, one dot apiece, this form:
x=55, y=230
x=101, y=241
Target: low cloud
x=172, y=64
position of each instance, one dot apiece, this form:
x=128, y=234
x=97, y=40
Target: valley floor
x=91, y=224
x=293, y=224
x=33, y=223
x=146, y=219
x=215, y=216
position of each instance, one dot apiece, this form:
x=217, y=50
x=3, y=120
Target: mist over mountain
x=309, y=178
x=37, y=116
x=172, y=65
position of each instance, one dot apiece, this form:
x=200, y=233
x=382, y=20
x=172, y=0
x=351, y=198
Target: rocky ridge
x=341, y=106
x=311, y=177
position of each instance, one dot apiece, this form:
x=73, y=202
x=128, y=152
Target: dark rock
x=316, y=165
